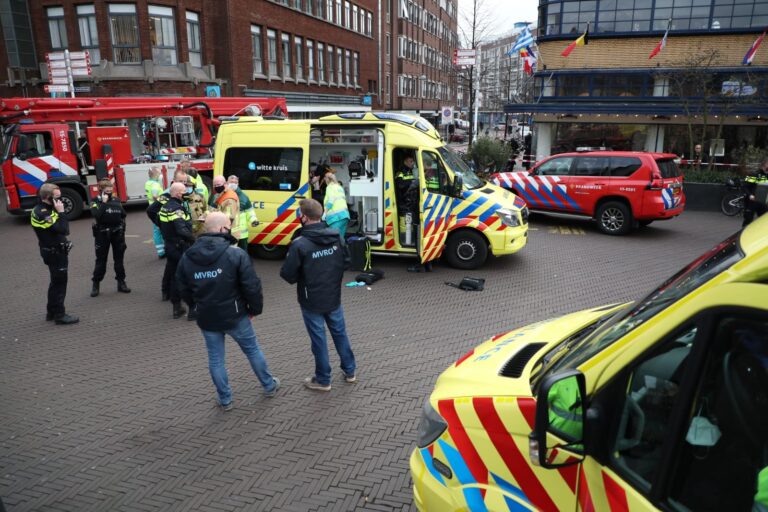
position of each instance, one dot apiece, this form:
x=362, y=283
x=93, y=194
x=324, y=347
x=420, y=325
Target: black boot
x=66, y=319
x=122, y=287
x=95, y=289
x=178, y=311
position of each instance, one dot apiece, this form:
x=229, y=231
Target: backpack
x=359, y=248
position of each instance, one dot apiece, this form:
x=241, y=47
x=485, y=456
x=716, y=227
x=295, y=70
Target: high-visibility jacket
x=50, y=227
x=335, y=203
x=565, y=408
x=200, y=188
x=247, y=213
x=153, y=189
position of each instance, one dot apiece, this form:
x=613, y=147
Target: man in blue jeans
x=316, y=261
x=219, y=280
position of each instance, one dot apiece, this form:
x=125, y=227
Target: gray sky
x=504, y=13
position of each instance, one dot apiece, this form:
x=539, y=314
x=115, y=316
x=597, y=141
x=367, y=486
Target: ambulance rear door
x=436, y=205
x=272, y=164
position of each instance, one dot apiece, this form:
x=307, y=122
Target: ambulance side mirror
x=458, y=186
x=558, y=438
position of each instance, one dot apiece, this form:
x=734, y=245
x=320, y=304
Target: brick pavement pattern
x=118, y=412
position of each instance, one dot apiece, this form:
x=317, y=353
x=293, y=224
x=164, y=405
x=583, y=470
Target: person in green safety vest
x=761, y=497
x=753, y=207
x=247, y=217
x=565, y=409
x=154, y=190
x=336, y=209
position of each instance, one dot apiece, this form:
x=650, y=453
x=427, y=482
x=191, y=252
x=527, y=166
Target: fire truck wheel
x=466, y=250
x=73, y=203
x=269, y=252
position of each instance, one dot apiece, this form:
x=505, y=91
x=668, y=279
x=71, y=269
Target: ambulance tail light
x=431, y=427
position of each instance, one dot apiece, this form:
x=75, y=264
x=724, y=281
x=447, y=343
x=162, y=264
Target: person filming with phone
x=51, y=227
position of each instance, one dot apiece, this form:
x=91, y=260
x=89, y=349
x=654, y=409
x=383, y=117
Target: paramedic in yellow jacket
x=336, y=210
x=247, y=212
x=226, y=201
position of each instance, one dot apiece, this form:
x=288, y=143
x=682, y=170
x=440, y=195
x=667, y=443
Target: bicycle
x=732, y=203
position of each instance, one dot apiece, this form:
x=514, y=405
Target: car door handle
x=298, y=196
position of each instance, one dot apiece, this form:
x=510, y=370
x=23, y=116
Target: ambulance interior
x=356, y=154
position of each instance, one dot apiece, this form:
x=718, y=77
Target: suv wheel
x=466, y=250
x=614, y=218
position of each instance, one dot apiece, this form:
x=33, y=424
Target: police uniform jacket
x=108, y=215
x=176, y=223
x=51, y=227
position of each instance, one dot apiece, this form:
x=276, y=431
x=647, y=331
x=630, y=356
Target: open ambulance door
x=435, y=205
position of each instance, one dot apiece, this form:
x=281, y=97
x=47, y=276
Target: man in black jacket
x=51, y=227
x=316, y=261
x=219, y=280
x=108, y=230
x=176, y=227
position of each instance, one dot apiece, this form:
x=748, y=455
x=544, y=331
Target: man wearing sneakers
x=316, y=261
x=226, y=292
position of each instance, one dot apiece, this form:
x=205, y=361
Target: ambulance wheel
x=73, y=203
x=614, y=218
x=466, y=250
x=269, y=252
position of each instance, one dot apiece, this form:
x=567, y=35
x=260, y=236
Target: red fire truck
x=74, y=142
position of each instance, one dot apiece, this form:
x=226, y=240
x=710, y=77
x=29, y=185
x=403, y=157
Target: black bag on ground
x=470, y=284
x=370, y=277
x=359, y=253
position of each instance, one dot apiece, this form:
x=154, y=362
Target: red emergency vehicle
x=618, y=189
x=74, y=142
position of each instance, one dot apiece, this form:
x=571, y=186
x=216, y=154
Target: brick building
x=322, y=55
x=609, y=93
x=307, y=51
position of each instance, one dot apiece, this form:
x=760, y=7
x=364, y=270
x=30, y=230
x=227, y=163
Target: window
x=347, y=67
x=258, y=56
x=89, y=34
x=369, y=25
x=124, y=30
x=320, y=11
x=162, y=35
x=388, y=87
x=310, y=60
x=57, y=28
x=338, y=12
x=38, y=144
x=354, y=18
x=347, y=17
x=340, y=67
x=272, y=52
x=590, y=166
x=299, y=48
x=193, y=39
x=331, y=74
x=362, y=20
x=435, y=175
x=329, y=10
x=624, y=165
x=286, y=55
x=320, y=62
x=388, y=44
x=276, y=169
x=555, y=167
x=356, y=70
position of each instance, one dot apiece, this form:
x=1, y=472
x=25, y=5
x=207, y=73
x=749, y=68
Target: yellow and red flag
x=581, y=41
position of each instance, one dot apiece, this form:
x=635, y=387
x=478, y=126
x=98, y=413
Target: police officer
x=51, y=227
x=176, y=226
x=413, y=206
x=751, y=205
x=108, y=230
x=403, y=180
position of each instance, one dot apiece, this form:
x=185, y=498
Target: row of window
x=302, y=59
x=422, y=53
x=646, y=15
x=340, y=12
x=421, y=17
x=124, y=33
x=414, y=87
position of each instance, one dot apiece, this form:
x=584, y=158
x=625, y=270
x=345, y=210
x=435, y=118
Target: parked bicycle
x=732, y=203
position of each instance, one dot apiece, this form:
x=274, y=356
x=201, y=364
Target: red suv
x=618, y=189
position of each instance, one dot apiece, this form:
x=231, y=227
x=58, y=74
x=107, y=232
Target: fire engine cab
x=75, y=142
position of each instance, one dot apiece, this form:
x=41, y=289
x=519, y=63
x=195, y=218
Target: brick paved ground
x=117, y=413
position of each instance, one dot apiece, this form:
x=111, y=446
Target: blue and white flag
x=524, y=39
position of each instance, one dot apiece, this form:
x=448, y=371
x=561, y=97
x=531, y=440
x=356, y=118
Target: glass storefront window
x=617, y=137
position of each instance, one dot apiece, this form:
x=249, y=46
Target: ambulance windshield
x=460, y=168
x=706, y=267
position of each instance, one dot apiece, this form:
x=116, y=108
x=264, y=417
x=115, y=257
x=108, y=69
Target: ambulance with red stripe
x=463, y=216
x=618, y=189
x=660, y=404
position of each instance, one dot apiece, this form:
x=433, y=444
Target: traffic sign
x=466, y=53
x=60, y=80
x=56, y=88
x=85, y=71
x=57, y=64
x=464, y=61
x=57, y=72
x=73, y=56
x=447, y=115
x=55, y=56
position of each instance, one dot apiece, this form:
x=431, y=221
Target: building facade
x=610, y=93
x=308, y=51
x=322, y=55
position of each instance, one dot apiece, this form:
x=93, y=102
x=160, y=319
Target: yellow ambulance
x=660, y=404
x=461, y=214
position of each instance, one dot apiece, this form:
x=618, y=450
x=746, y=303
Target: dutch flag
x=753, y=50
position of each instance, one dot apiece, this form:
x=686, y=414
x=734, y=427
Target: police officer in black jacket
x=51, y=227
x=176, y=227
x=108, y=230
x=219, y=280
